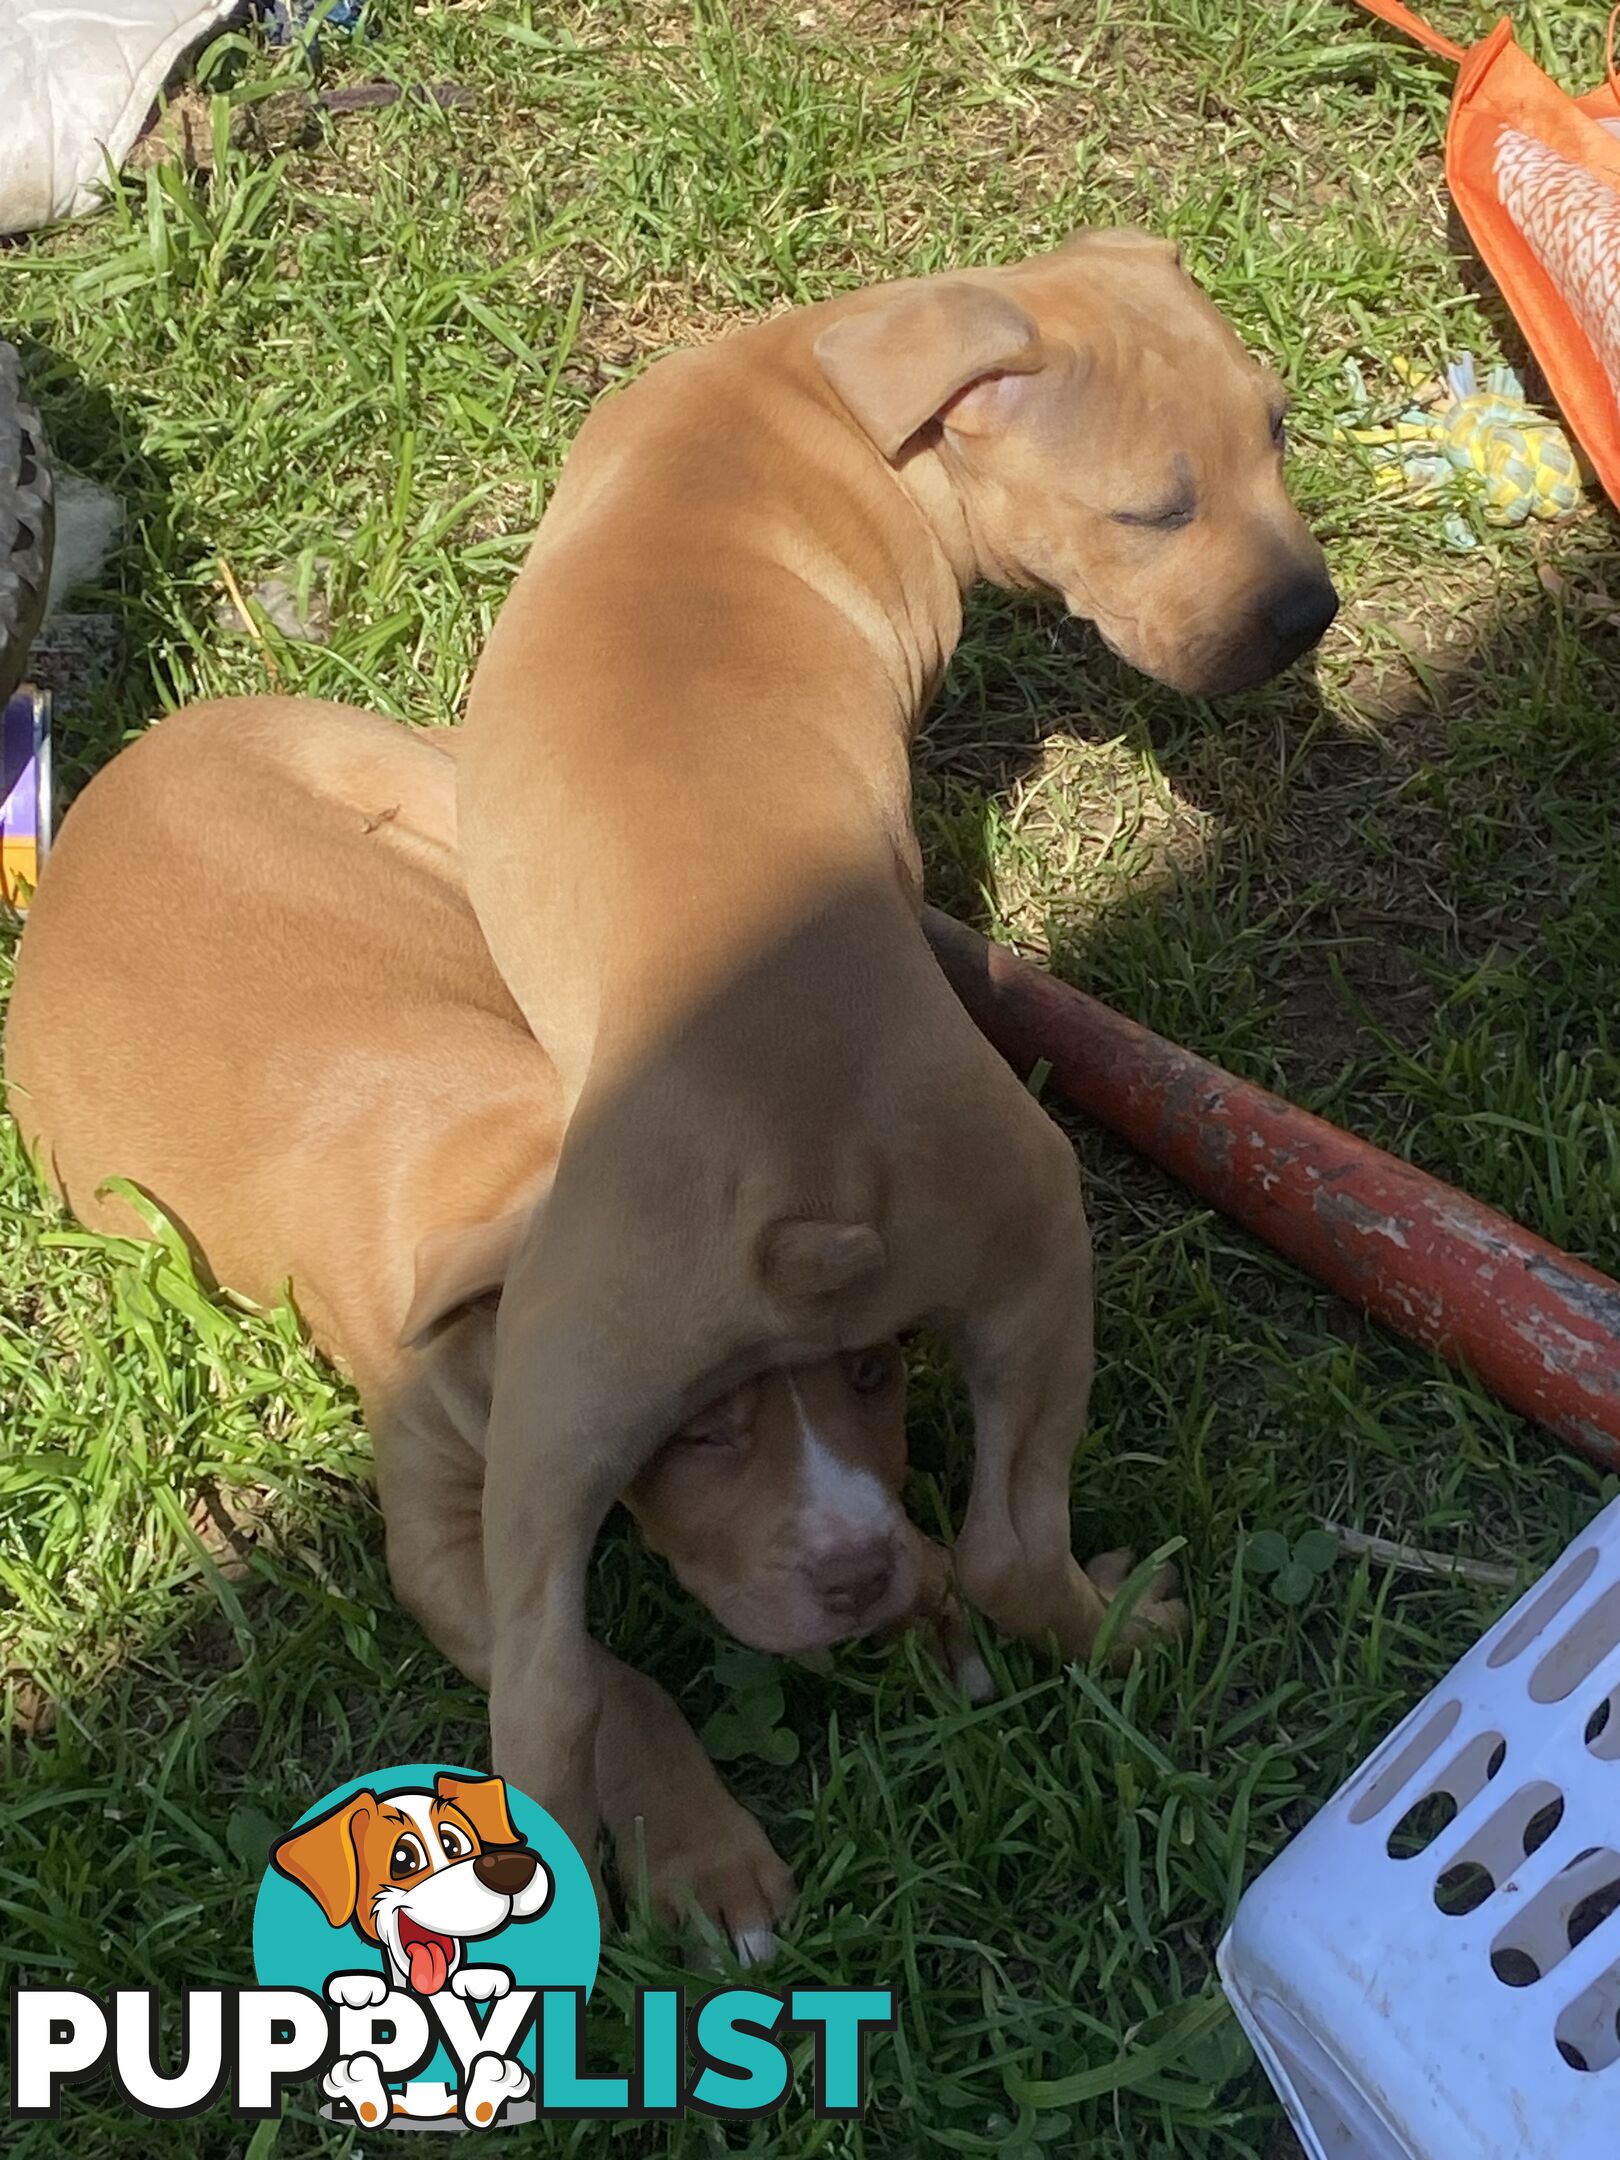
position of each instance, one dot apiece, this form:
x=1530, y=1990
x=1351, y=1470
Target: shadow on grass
x=91, y=435
x=1331, y=875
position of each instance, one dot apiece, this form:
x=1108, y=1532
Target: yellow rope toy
x=1519, y=463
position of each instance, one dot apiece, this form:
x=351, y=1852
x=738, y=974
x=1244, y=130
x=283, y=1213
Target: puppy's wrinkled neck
x=926, y=473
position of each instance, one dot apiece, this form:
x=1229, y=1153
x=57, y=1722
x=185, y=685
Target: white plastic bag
x=76, y=85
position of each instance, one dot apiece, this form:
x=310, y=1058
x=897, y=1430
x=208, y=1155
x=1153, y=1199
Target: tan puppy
x=686, y=770
x=290, y=1035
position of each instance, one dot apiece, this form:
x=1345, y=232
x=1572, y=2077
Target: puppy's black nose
x=1299, y=613
x=506, y=1869
x=853, y=1580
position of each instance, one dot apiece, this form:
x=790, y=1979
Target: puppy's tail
x=801, y=1258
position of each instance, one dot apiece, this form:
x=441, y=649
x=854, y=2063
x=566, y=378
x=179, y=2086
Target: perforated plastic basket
x=1431, y=1970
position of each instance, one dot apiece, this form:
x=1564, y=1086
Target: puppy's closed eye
x=723, y=1424
x=716, y=1429
x=712, y=1438
x=1174, y=505
x=1169, y=519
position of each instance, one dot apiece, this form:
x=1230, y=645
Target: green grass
x=1388, y=885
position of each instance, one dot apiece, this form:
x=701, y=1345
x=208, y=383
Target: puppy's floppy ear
x=455, y=1266
x=324, y=1857
x=905, y=359
x=483, y=1802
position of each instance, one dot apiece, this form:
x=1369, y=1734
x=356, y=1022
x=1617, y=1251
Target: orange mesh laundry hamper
x=1535, y=175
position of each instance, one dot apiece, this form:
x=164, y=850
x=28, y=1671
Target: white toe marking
x=974, y=1678
x=755, y=1946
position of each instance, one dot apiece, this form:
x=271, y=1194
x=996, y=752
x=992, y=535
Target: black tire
x=27, y=523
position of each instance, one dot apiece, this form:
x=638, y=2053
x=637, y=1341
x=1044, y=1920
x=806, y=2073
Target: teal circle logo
x=423, y=1903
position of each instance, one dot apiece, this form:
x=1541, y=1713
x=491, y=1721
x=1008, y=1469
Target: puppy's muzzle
x=505, y=1869
x=1299, y=613
x=852, y=1582
x=1292, y=615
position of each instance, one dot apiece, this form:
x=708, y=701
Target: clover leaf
x=1316, y=1550
x=1267, y=1551
x=1294, y=1569
x=751, y=1723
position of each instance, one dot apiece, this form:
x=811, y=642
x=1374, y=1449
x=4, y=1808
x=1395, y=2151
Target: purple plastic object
x=25, y=792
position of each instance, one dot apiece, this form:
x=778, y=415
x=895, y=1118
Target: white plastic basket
x=1431, y=1970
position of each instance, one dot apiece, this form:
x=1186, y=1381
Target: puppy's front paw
x=1157, y=1615
x=971, y=1676
x=356, y=1991
x=723, y=1867
x=357, y=2079
x=494, y=2081
x=956, y=1653
x=481, y=1983
x=939, y=1612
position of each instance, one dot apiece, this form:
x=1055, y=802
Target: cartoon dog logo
x=419, y=1875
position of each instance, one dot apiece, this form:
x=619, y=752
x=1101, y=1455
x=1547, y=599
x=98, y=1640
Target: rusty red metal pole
x=1541, y=1329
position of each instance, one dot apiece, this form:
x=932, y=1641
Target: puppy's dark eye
x=870, y=1371
x=455, y=1845
x=407, y=1857
x=1279, y=430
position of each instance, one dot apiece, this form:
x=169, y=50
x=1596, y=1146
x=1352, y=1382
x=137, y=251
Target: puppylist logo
x=425, y=1941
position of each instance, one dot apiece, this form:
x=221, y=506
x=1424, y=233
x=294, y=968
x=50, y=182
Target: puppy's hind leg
x=593, y=1372
x=679, y=1836
x=430, y=1484
x=1026, y=1350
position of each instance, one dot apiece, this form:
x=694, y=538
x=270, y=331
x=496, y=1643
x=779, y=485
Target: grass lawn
x=1388, y=886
